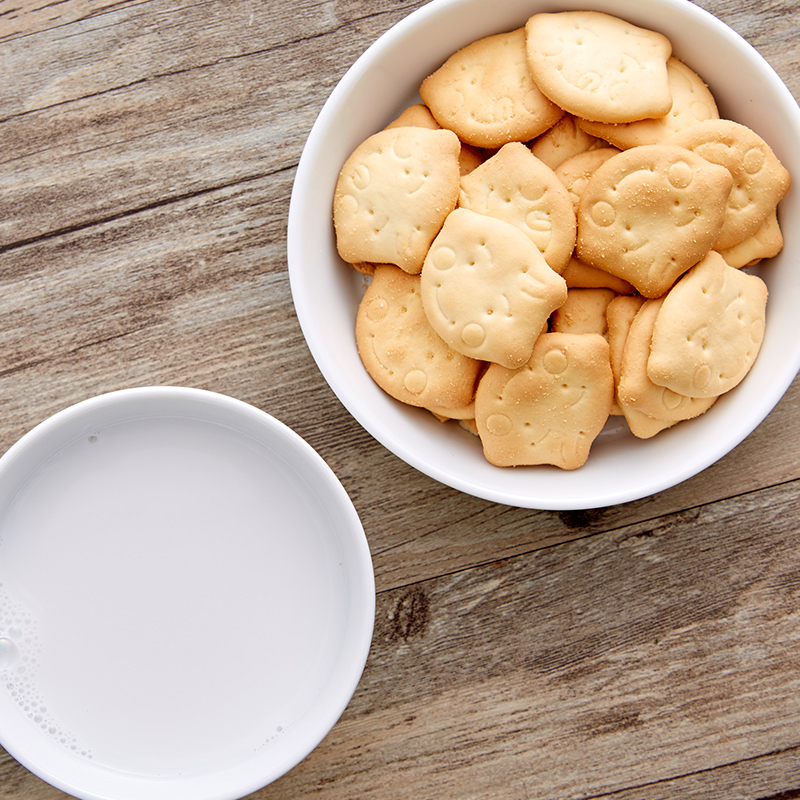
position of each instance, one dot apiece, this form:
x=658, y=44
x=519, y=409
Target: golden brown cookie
x=760, y=181
x=692, y=102
x=486, y=288
x=766, y=242
x=709, y=329
x=599, y=67
x=443, y=414
x=513, y=185
x=393, y=194
x=619, y=316
x=418, y=115
x=484, y=92
x=650, y=213
x=551, y=410
x=400, y=350
x=635, y=390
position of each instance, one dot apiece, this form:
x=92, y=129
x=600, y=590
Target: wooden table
x=649, y=650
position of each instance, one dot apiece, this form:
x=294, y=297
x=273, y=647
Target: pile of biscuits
x=559, y=233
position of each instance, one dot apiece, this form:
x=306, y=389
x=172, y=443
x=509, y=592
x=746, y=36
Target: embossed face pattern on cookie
x=599, y=67
x=650, y=213
x=393, y=194
x=709, y=329
x=517, y=187
x=484, y=92
x=487, y=289
x=400, y=350
x=760, y=181
x=551, y=410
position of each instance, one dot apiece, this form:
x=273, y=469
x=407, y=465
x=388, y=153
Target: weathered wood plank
x=24, y=17
x=627, y=659
x=775, y=776
x=129, y=111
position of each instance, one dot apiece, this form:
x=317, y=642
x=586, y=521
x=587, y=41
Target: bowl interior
x=186, y=598
x=382, y=82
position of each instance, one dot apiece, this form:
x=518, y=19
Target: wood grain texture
x=643, y=651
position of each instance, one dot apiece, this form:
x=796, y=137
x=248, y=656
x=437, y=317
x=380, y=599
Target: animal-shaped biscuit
x=486, y=288
x=565, y=139
x=650, y=213
x=635, y=390
x=551, y=410
x=692, y=102
x=400, y=350
x=709, y=329
x=393, y=194
x=599, y=67
x=515, y=186
x=484, y=92
x=760, y=181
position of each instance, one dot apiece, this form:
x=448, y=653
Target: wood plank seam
x=161, y=203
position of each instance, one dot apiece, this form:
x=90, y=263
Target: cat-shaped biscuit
x=551, y=410
x=487, y=290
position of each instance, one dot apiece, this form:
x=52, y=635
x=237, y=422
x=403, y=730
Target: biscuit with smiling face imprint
x=400, y=350
x=551, y=410
x=650, y=213
x=599, y=67
x=760, y=181
x=487, y=290
x=517, y=187
x=393, y=194
x=484, y=92
x=709, y=329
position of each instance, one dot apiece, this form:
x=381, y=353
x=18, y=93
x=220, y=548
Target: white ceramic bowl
x=378, y=86
x=186, y=598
